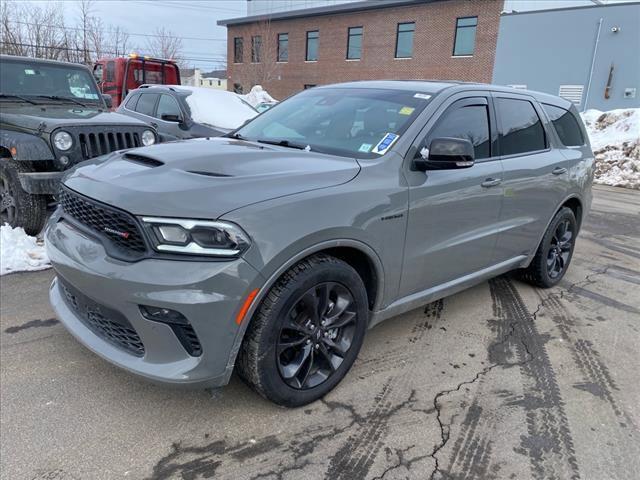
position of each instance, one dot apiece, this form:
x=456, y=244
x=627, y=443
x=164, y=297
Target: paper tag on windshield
x=365, y=147
x=28, y=71
x=423, y=96
x=406, y=111
x=385, y=144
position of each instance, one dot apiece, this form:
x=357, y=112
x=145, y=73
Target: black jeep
x=52, y=116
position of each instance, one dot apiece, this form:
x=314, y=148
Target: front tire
x=555, y=251
x=17, y=207
x=307, y=332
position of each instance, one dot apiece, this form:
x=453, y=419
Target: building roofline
x=579, y=7
x=320, y=11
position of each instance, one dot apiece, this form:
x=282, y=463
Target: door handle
x=559, y=170
x=491, y=182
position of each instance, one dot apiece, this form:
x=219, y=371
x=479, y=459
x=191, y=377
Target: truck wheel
x=306, y=333
x=17, y=207
x=555, y=251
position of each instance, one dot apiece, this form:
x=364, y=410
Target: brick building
x=380, y=39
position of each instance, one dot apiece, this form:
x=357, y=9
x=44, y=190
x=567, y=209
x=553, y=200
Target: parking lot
x=500, y=381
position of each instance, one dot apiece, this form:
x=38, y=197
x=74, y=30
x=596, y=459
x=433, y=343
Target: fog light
x=64, y=160
x=164, y=315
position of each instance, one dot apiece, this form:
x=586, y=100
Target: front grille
x=119, y=229
x=94, y=144
x=106, y=323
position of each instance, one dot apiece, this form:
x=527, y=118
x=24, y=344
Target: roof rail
x=149, y=85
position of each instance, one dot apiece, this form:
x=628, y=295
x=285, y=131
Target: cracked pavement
x=500, y=381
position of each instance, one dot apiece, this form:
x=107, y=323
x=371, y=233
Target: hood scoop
x=209, y=174
x=148, y=161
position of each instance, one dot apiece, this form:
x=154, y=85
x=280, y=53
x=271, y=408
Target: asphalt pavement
x=500, y=381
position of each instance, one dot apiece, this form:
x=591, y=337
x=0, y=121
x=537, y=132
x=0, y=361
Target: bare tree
x=165, y=44
x=119, y=41
x=262, y=54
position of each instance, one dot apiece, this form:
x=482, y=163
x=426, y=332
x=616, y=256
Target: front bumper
x=208, y=293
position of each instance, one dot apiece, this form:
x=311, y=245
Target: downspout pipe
x=593, y=64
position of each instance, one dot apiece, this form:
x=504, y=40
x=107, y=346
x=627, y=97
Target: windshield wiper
x=63, y=99
x=10, y=95
x=234, y=135
x=284, y=143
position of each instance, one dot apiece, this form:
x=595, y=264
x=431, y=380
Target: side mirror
x=171, y=118
x=107, y=100
x=444, y=154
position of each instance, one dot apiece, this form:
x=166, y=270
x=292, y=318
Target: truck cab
x=117, y=76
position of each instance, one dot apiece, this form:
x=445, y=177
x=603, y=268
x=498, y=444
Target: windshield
x=361, y=123
x=36, y=80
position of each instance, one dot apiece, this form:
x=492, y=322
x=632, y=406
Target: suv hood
x=59, y=115
x=205, y=178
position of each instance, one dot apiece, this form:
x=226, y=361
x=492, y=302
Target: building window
x=256, y=49
x=237, y=88
x=354, y=43
x=313, y=38
x=200, y=82
x=465, y=41
x=404, y=40
x=283, y=47
x=237, y=50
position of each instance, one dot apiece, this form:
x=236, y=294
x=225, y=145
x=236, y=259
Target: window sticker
x=385, y=144
x=28, y=71
x=406, y=110
x=365, y=148
x=423, y=96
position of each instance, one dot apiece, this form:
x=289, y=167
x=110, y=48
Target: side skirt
x=415, y=300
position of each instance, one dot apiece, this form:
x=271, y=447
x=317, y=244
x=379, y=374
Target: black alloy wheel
x=560, y=249
x=7, y=202
x=316, y=335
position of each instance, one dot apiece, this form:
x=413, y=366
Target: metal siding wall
x=547, y=49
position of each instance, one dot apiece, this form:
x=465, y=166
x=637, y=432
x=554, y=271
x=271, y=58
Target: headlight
x=148, y=138
x=63, y=141
x=197, y=237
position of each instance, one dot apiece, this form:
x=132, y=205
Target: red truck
x=117, y=76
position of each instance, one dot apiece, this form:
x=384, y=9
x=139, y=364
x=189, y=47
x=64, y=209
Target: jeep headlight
x=148, y=138
x=63, y=141
x=197, y=237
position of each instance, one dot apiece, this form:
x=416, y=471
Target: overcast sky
x=190, y=19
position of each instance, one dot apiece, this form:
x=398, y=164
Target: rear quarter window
x=565, y=124
x=131, y=102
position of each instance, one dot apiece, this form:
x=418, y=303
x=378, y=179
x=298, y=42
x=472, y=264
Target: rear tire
x=306, y=333
x=17, y=207
x=555, y=251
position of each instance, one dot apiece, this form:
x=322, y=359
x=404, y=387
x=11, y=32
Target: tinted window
x=146, y=103
x=471, y=123
x=354, y=43
x=111, y=71
x=237, y=50
x=565, y=124
x=404, y=40
x=131, y=102
x=520, y=128
x=312, y=46
x=283, y=47
x=167, y=106
x=465, y=41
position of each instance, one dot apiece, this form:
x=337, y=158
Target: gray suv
x=274, y=249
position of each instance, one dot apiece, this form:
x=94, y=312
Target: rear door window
x=470, y=122
x=131, y=102
x=565, y=124
x=147, y=103
x=521, y=130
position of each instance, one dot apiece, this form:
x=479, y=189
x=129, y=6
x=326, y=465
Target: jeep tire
x=306, y=333
x=17, y=207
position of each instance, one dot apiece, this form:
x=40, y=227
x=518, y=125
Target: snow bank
x=615, y=139
x=20, y=252
x=257, y=95
x=217, y=108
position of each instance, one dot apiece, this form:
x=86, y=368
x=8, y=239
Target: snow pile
x=20, y=252
x=217, y=108
x=257, y=95
x=615, y=140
